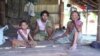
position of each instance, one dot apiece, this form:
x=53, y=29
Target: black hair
x=30, y=0
x=43, y=12
x=23, y=21
x=68, y=5
x=74, y=12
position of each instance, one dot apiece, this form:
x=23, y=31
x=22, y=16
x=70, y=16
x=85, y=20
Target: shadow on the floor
x=6, y=44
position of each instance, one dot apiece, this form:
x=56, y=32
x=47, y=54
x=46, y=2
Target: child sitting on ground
x=24, y=37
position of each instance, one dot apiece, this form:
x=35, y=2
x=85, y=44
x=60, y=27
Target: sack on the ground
x=95, y=44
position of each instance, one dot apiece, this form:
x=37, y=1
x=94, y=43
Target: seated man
x=43, y=29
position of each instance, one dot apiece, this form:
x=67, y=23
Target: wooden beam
x=98, y=26
x=87, y=2
x=93, y=2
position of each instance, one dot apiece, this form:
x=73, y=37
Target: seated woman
x=43, y=29
x=73, y=32
x=24, y=37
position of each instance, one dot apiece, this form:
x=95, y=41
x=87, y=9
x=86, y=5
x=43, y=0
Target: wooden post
x=98, y=26
x=2, y=12
x=61, y=13
x=21, y=8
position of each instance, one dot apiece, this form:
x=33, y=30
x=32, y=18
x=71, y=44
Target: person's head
x=74, y=16
x=44, y=15
x=23, y=24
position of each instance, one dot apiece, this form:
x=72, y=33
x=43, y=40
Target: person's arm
x=30, y=37
x=79, y=29
x=36, y=29
x=49, y=29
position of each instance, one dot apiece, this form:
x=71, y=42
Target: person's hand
x=78, y=22
x=28, y=45
x=73, y=47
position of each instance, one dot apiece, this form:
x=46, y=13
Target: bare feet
x=74, y=47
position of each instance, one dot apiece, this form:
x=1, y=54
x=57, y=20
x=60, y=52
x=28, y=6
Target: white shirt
x=42, y=25
x=29, y=7
x=23, y=33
